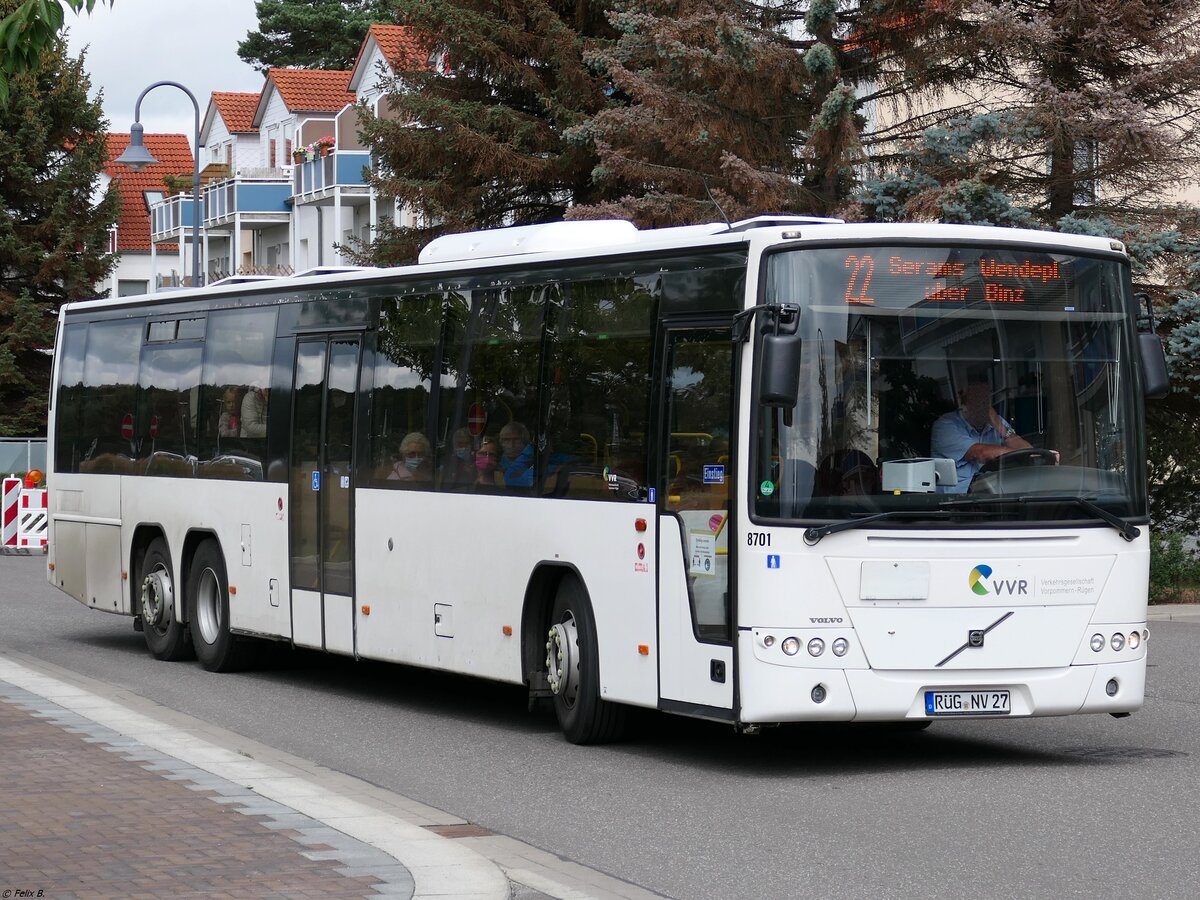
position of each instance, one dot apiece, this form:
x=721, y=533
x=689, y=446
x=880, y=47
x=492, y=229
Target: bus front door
x=696, y=650
x=322, y=538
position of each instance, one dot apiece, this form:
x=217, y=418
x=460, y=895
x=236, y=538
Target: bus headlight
x=1097, y=642
x=1135, y=640
x=816, y=647
x=840, y=646
x=1118, y=641
x=790, y=646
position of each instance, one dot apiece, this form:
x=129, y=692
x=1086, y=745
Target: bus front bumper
x=772, y=693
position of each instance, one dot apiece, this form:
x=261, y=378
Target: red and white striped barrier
x=12, y=497
x=33, y=520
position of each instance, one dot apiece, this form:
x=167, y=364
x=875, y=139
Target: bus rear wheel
x=166, y=637
x=573, y=670
x=217, y=648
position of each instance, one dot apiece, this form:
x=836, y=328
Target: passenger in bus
x=254, y=413
x=516, y=460
x=488, y=479
x=228, y=420
x=974, y=434
x=458, y=471
x=415, y=463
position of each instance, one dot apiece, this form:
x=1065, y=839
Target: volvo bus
x=703, y=469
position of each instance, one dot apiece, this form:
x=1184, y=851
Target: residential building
x=138, y=271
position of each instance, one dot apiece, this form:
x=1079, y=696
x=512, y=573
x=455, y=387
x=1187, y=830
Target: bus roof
x=560, y=241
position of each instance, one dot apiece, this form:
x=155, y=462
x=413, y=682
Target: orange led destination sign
x=933, y=278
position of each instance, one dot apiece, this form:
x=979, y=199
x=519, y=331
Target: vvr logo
x=978, y=580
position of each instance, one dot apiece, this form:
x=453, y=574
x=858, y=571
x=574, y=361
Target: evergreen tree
x=1088, y=107
x=1173, y=423
x=478, y=139
x=53, y=235
x=311, y=34
x=706, y=99
x=758, y=104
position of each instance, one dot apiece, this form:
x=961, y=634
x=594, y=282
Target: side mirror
x=779, y=365
x=1156, y=384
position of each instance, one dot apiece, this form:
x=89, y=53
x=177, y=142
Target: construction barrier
x=12, y=497
x=33, y=520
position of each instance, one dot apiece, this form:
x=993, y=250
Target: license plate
x=967, y=703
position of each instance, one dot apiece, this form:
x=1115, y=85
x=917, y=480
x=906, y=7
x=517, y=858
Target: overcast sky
x=134, y=43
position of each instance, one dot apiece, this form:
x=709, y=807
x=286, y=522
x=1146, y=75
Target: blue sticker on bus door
x=714, y=474
x=772, y=561
x=316, y=481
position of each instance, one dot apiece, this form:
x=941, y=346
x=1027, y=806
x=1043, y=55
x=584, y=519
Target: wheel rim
x=562, y=659
x=208, y=606
x=158, y=599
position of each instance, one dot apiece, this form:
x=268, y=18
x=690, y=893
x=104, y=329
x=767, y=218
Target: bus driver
x=974, y=434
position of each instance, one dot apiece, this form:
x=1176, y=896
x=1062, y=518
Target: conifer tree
x=759, y=104
x=477, y=140
x=1086, y=108
x=311, y=34
x=53, y=233
x=706, y=101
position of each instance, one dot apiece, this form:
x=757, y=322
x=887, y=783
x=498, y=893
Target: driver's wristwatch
x=1011, y=431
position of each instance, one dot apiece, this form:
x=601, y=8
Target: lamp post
x=137, y=157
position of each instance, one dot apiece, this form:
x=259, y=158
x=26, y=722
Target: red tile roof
x=312, y=90
x=175, y=157
x=237, y=110
x=401, y=46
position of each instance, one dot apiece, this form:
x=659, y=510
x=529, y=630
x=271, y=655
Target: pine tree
x=758, y=104
x=1087, y=108
x=53, y=235
x=478, y=140
x=311, y=34
x=706, y=99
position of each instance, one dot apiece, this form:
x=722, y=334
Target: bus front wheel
x=573, y=670
x=217, y=648
x=166, y=637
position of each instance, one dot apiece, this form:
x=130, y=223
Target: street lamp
x=137, y=157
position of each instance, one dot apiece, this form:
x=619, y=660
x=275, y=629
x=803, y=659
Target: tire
x=573, y=667
x=217, y=648
x=159, y=599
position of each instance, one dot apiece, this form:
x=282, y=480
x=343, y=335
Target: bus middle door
x=322, y=515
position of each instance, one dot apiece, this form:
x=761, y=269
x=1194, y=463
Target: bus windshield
x=987, y=384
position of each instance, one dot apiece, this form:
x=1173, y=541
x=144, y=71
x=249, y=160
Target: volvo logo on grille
x=975, y=638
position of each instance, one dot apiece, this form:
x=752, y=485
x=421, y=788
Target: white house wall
x=132, y=265
x=277, y=124
x=217, y=142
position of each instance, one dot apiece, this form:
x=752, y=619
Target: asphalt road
x=1078, y=807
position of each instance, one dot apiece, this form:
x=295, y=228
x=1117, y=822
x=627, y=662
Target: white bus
x=782, y=470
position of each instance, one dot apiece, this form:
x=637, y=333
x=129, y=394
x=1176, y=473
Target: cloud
x=134, y=43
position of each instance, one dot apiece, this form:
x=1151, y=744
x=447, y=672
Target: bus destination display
x=907, y=276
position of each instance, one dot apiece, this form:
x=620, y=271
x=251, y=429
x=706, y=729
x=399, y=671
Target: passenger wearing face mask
x=415, y=462
x=488, y=479
x=458, y=471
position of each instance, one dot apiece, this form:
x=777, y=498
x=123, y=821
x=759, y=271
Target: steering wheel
x=1032, y=456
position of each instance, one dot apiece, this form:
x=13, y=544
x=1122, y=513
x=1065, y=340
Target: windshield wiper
x=1128, y=530
x=813, y=534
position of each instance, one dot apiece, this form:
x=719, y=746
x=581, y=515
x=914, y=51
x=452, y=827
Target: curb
x=440, y=867
x=1174, y=612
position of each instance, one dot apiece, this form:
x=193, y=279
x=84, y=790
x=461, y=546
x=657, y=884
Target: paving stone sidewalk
x=86, y=812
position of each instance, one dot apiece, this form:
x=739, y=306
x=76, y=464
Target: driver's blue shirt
x=952, y=437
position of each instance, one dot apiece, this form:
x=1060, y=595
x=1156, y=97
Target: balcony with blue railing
x=253, y=194
x=170, y=216
x=316, y=179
